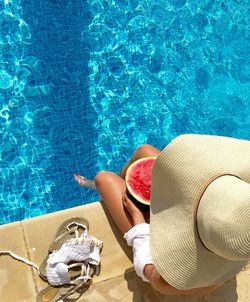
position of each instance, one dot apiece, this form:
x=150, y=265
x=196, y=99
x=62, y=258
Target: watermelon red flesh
x=139, y=178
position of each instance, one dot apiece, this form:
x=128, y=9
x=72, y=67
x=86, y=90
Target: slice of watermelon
x=138, y=179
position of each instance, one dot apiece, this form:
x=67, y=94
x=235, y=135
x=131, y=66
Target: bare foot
x=84, y=182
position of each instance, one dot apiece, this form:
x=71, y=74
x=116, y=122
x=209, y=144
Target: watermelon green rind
x=138, y=179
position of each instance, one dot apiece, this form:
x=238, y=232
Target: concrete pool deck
x=117, y=281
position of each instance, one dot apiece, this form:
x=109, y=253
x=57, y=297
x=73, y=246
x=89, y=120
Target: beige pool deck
x=117, y=280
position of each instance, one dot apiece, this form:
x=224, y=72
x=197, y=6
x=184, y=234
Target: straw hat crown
x=200, y=210
x=224, y=220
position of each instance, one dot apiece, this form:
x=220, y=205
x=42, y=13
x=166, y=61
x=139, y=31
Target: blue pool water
x=84, y=83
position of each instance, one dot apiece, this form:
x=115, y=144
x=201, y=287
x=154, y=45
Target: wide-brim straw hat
x=200, y=210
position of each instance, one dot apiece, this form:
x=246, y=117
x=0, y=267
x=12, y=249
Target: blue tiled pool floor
x=84, y=83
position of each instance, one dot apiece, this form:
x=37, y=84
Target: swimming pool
x=84, y=83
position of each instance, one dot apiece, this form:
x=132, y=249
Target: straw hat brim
x=180, y=175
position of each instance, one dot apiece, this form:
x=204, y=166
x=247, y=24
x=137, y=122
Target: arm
x=150, y=271
x=163, y=287
x=135, y=213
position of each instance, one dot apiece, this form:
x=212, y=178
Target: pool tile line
x=25, y=240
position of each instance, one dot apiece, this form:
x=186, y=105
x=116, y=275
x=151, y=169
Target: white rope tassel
x=15, y=256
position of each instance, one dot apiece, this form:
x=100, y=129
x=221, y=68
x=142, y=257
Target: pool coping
x=117, y=280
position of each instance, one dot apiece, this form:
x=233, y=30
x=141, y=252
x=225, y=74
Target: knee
x=102, y=178
x=145, y=148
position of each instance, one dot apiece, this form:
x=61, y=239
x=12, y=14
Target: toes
x=76, y=176
x=79, y=178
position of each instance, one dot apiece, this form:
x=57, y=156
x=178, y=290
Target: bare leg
x=142, y=151
x=111, y=187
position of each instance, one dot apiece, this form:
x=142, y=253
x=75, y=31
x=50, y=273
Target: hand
x=135, y=213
